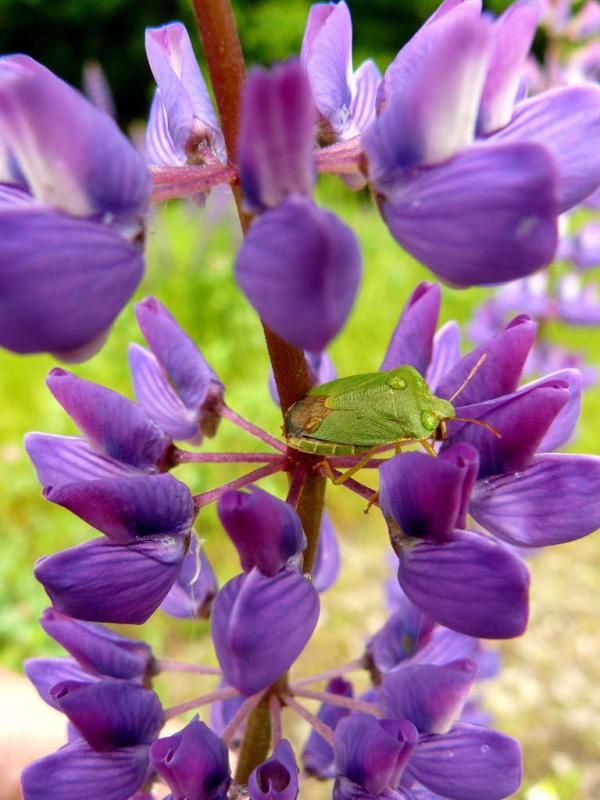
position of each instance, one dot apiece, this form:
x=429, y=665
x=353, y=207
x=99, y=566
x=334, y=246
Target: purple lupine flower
x=183, y=127
x=299, y=266
x=115, y=722
x=326, y=567
x=536, y=158
x=266, y=531
x=125, y=575
x=119, y=439
x=195, y=587
x=344, y=99
x=263, y=618
x=174, y=384
x=73, y=195
x=460, y=578
x=277, y=778
x=317, y=755
x=97, y=648
x=194, y=763
x=46, y=673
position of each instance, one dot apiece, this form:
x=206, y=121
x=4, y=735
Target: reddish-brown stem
x=352, y=666
x=337, y=700
x=213, y=697
x=205, y=498
x=320, y=727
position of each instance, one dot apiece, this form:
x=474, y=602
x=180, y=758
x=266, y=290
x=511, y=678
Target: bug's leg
x=400, y=444
x=339, y=479
x=426, y=444
x=374, y=499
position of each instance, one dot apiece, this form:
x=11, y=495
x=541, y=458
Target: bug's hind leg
x=337, y=480
x=428, y=447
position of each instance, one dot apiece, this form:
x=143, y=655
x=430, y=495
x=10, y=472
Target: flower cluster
x=469, y=176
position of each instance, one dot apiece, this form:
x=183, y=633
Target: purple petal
x=522, y=419
x=471, y=231
x=469, y=763
x=190, y=374
x=192, y=122
x=566, y=121
x=105, y=582
x=77, y=771
x=114, y=425
x=195, y=588
x=128, y=509
x=326, y=568
x=261, y=625
x=300, y=268
x=59, y=460
x=160, y=148
x=499, y=374
x=431, y=697
x=277, y=778
x=111, y=713
x=193, y=762
x=555, y=499
x=98, y=648
x=563, y=425
x=433, y=105
x=158, y=399
x=445, y=354
x=368, y=754
x=72, y=155
x=362, y=106
x=45, y=673
x=317, y=755
x=327, y=58
x=424, y=496
x=471, y=584
x=276, y=137
x=62, y=280
x=513, y=35
x=587, y=246
x=399, y=637
x=266, y=531
x=445, y=645
x=412, y=340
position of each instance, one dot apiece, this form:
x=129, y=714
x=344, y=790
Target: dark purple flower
x=71, y=218
x=266, y=531
x=345, y=99
x=119, y=439
x=317, y=755
x=174, y=384
x=45, y=673
x=118, y=720
x=183, y=127
x=195, y=587
x=277, y=778
x=194, y=763
x=461, y=579
x=260, y=625
x=299, y=265
x=97, y=648
x=124, y=576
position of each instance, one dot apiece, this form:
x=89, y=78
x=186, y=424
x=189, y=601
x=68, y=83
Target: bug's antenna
x=480, y=422
x=469, y=377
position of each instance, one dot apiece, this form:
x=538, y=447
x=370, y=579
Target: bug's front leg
x=337, y=480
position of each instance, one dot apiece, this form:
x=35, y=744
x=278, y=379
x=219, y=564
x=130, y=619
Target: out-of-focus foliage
x=63, y=34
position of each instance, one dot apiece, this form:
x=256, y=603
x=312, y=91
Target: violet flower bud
x=277, y=778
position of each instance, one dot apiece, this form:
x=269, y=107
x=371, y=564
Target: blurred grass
x=548, y=694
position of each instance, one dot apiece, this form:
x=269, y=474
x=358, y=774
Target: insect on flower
x=362, y=414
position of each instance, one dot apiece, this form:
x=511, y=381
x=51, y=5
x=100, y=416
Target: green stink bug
x=351, y=415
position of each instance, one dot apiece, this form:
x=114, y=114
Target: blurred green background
x=548, y=694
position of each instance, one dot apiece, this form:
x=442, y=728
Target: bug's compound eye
x=429, y=421
x=396, y=382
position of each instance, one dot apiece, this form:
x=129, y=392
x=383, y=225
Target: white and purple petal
x=412, y=340
x=195, y=588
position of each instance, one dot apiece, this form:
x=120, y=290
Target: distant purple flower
x=183, y=127
x=119, y=439
x=192, y=594
x=327, y=562
x=116, y=721
x=174, y=384
x=277, y=778
x=194, y=763
x=537, y=158
x=73, y=195
x=317, y=755
x=125, y=575
x=345, y=99
x=299, y=266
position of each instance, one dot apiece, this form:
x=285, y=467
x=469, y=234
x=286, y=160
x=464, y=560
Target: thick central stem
x=225, y=62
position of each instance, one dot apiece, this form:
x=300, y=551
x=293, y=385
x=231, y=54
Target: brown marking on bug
x=306, y=415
